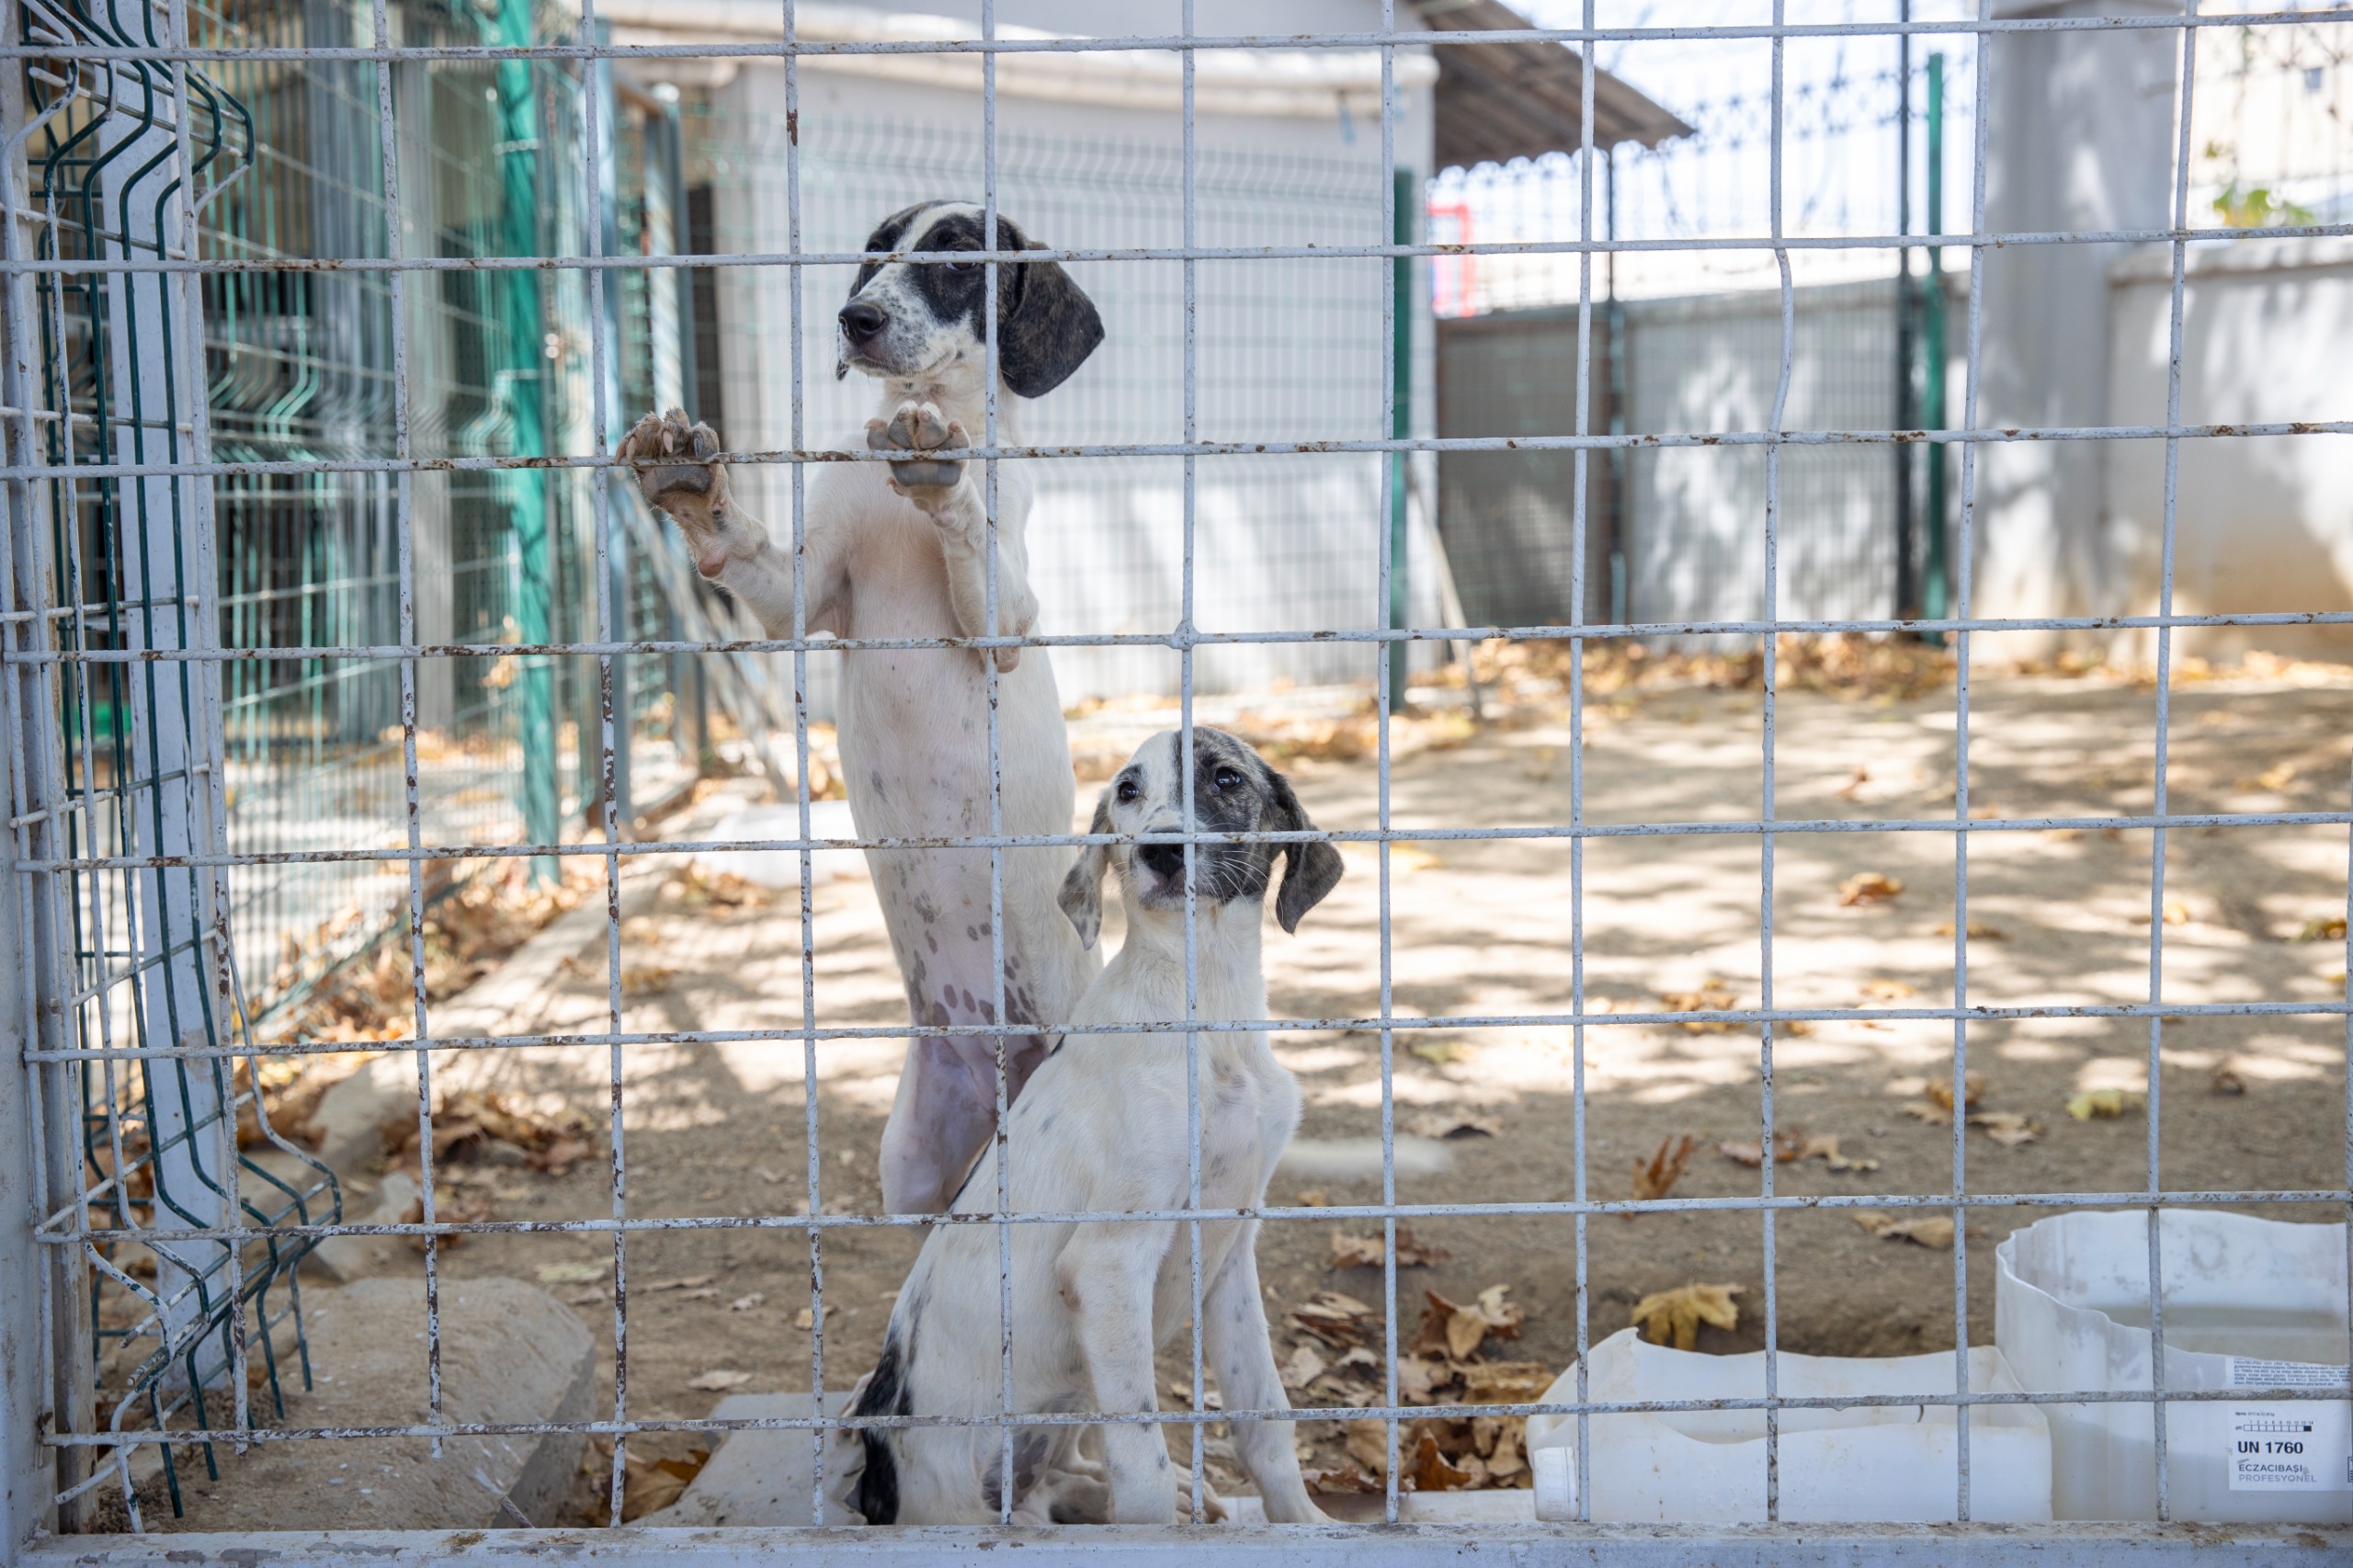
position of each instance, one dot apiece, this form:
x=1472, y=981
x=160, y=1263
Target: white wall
x=1289, y=349
x=2263, y=523
x=2079, y=138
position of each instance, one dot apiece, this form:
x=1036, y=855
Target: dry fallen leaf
x=560, y=1155
x=2278, y=778
x=1411, y=857
x=1314, y=1198
x=1656, y=1177
x=1673, y=1317
x=1366, y=1251
x=2328, y=928
x=2105, y=1103
x=1453, y=1128
x=1940, y=1090
x=451, y=1207
x=1337, y=1320
x=1888, y=990
x=1867, y=887
x=803, y=1319
x=2008, y=1127
x=1426, y=1469
x=1438, y=1051
x=1456, y=1329
x=718, y=1381
x=684, y=1282
x=1348, y=1481
x=570, y=1273
x=1504, y=1461
x=1713, y=996
x=1302, y=1367
x=1932, y=1231
x=2224, y=1079
x=641, y=980
x=1826, y=1149
x=651, y=1486
x=1419, y=1377
x=1367, y=1444
x=1505, y=1382
x=1785, y=1149
x=1978, y=932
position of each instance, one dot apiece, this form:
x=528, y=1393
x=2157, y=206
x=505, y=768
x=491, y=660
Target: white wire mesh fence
x=119, y=924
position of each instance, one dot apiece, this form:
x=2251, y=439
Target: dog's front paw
x=676, y=472
x=920, y=427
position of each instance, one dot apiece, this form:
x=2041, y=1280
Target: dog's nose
x=862, y=319
x=1166, y=859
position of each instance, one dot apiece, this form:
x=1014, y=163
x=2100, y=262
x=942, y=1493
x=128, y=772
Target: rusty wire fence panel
x=113, y=876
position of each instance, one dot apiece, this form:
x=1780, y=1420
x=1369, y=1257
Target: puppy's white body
x=903, y=551
x=915, y=750
x=1103, y=1128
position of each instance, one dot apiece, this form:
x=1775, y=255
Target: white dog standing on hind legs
x=902, y=550
x=1103, y=1128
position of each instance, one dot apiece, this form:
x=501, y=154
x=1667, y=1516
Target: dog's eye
x=1227, y=779
x=963, y=267
x=1127, y=790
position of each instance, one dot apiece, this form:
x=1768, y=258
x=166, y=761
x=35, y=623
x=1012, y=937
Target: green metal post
x=523, y=378
x=1401, y=424
x=1933, y=591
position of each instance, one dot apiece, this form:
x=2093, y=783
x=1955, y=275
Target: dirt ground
x=2060, y=917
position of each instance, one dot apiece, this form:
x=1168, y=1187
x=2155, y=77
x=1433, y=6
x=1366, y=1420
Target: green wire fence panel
x=250, y=756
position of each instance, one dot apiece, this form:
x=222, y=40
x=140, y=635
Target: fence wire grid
x=133, y=662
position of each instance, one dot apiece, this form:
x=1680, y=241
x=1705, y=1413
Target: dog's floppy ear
x=1051, y=328
x=1311, y=870
x=1082, y=894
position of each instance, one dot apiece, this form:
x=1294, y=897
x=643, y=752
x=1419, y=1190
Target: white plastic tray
x=1867, y=1464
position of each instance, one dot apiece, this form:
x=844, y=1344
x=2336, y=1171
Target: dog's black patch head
x=1235, y=790
x=917, y=318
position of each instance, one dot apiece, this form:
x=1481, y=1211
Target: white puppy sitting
x=1102, y=1127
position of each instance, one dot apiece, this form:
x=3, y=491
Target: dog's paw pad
x=918, y=428
x=672, y=485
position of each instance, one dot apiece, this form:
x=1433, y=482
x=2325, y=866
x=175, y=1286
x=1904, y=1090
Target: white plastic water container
x=1864, y=1464
x=781, y=867
x=2248, y=1303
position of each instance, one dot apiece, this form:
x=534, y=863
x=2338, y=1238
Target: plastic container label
x=2292, y=1446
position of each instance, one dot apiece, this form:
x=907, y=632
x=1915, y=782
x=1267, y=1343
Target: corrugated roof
x=1506, y=100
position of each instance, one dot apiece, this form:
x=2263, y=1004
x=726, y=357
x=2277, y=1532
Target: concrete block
x=352, y=1113
x=509, y=1352
x=762, y=1478
x=348, y=1257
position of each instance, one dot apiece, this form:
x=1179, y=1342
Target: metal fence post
x=159, y=524
x=1934, y=594
x=1401, y=352
x=524, y=381
x=1906, y=589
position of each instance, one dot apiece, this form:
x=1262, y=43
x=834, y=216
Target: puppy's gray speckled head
x=1234, y=791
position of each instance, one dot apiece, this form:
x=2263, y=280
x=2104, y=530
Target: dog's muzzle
x=863, y=321
x=1164, y=860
